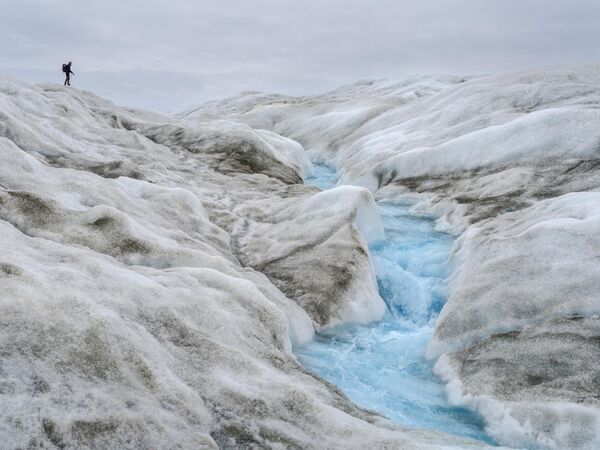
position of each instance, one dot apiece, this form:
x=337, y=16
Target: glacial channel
x=382, y=366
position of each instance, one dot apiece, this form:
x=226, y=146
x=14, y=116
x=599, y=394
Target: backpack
x=65, y=68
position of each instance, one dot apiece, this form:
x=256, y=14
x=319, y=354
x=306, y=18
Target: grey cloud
x=169, y=54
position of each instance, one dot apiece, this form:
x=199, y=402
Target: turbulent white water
x=382, y=366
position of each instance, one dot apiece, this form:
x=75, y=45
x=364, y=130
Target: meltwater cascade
x=382, y=366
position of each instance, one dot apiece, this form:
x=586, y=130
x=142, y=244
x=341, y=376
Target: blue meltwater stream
x=382, y=366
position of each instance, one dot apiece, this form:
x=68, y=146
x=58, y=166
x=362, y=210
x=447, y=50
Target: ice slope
x=302, y=247
x=511, y=165
x=128, y=318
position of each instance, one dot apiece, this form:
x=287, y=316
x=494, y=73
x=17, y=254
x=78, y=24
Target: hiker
x=67, y=71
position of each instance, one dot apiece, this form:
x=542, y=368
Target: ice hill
x=155, y=271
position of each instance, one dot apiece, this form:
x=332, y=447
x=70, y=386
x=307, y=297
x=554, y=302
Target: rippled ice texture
x=383, y=366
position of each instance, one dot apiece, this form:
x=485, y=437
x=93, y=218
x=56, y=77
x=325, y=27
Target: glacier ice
x=156, y=270
x=509, y=164
x=126, y=317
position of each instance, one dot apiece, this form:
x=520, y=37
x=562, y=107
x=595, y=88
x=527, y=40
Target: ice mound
x=511, y=165
x=377, y=132
x=235, y=148
x=316, y=252
x=551, y=283
x=533, y=344
x=126, y=317
x=322, y=124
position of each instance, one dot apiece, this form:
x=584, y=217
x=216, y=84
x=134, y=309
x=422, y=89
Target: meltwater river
x=382, y=366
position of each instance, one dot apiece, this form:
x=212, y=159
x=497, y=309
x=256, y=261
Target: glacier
x=157, y=272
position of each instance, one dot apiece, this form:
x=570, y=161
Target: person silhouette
x=67, y=71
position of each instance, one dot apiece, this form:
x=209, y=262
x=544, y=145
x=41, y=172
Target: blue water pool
x=382, y=366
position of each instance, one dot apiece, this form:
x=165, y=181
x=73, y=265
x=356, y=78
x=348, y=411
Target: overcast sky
x=167, y=55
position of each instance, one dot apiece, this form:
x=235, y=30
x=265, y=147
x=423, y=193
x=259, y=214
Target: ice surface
x=154, y=278
x=510, y=165
x=126, y=317
x=377, y=131
x=316, y=251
